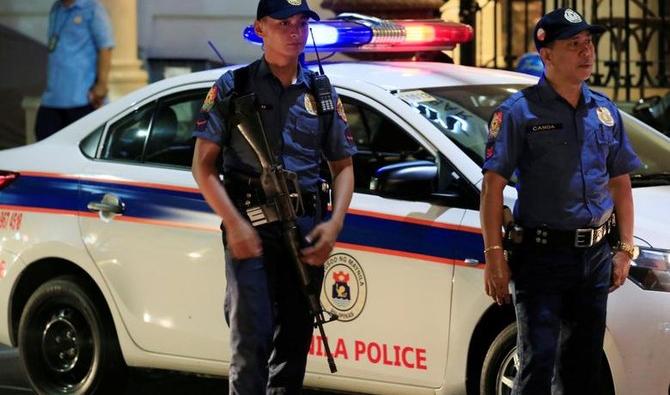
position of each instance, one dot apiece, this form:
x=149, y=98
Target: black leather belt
x=247, y=193
x=578, y=238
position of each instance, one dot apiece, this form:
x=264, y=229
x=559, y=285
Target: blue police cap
x=560, y=24
x=282, y=9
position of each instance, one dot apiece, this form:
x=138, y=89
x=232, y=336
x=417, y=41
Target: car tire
x=67, y=343
x=501, y=366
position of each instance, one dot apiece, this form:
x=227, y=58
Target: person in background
x=80, y=46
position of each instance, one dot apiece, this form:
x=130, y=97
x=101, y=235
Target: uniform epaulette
x=510, y=101
x=601, y=95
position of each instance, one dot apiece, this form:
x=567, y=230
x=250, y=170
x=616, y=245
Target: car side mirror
x=649, y=111
x=407, y=180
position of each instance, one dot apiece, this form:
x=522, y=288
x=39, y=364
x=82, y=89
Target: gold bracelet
x=491, y=248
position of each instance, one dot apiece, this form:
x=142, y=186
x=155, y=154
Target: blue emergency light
x=359, y=33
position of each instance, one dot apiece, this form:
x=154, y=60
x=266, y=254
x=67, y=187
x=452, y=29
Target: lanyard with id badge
x=55, y=35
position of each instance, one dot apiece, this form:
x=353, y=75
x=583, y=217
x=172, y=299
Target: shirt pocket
x=605, y=139
x=76, y=27
x=306, y=133
x=548, y=144
x=605, y=135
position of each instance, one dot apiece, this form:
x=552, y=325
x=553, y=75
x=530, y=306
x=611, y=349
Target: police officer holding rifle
x=272, y=122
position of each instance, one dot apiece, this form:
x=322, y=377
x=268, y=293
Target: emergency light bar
x=359, y=33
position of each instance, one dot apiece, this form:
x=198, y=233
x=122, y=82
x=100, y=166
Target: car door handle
x=110, y=204
x=471, y=261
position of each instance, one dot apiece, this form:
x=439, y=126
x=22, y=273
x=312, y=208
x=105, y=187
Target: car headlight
x=651, y=269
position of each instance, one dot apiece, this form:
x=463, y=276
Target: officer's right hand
x=497, y=276
x=243, y=241
x=97, y=94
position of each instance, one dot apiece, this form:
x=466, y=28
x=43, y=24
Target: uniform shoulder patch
x=490, y=150
x=340, y=110
x=310, y=104
x=210, y=99
x=495, y=124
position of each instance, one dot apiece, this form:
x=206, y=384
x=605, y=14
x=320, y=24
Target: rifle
x=275, y=181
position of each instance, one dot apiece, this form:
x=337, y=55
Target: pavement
x=12, y=377
x=13, y=380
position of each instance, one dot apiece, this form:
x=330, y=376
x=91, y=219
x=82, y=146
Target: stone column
x=126, y=74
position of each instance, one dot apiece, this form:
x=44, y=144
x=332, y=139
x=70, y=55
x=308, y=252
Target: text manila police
x=374, y=353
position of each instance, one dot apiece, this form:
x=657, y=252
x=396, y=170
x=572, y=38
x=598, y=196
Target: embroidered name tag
x=544, y=127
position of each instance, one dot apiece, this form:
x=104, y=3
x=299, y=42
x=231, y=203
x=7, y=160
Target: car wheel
x=67, y=343
x=501, y=366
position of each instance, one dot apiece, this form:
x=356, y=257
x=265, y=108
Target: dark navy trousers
x=50, y=120
x=560, y=297
x=270, y=325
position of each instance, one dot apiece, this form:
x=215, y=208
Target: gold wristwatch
x=632, y=250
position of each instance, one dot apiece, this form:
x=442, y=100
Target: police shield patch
x=344, y=290
x=310, y=104
x=495, y=125
x=340, y=110
x=210, y=99
x=605, y=116
x=572, y=16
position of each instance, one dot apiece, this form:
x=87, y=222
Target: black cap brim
x=593, y=29
x=289, y=12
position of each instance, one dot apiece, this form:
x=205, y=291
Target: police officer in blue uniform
x=271, y=328
x=568, y=148
x=80, y=43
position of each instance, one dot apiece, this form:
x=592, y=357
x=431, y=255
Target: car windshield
x=462, y=114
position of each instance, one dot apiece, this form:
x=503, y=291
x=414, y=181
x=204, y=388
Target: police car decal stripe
x=411, y=238
x=148, y=203
x=170, y=206
x=46, y=193
x=111, y=180
x=384, y=251
x=400, y=218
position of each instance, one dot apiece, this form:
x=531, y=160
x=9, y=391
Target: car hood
x=652, y=214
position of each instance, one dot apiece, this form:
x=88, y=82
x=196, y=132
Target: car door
x=151, y=233
x=389, y=278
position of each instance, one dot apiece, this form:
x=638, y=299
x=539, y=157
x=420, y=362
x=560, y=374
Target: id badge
x=53, y=42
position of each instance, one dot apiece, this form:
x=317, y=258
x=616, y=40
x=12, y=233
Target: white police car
x=109, y=255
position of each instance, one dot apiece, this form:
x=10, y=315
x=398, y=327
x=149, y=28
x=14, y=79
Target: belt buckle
x=584, y=238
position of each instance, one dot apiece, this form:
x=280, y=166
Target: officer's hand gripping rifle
x=275, y=183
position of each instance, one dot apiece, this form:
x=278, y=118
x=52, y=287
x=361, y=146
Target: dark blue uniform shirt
x=290, y=121
x=564, y=156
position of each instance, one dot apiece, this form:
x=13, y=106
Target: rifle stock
x=275, y=183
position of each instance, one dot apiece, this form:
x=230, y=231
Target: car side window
x=170, y=141
x=380, y=142
x=125, y=138
x=89, y=145
x=157, y=133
